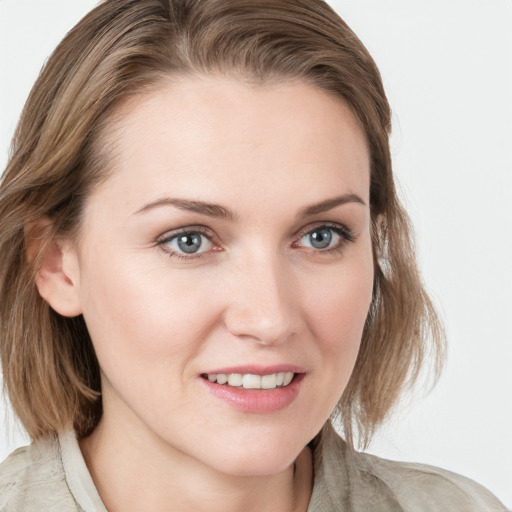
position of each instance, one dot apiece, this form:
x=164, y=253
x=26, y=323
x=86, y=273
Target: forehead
x=217, y=134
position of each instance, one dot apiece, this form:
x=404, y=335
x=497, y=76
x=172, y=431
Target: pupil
x=321, y=238
x=189, y=243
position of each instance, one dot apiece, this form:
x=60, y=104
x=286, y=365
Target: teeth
x=287, y=378
x=221, y=378
x=269, y=381
x=250, y=381
x=235, y=379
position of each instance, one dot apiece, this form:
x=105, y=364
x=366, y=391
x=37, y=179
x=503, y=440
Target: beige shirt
x=51, y=475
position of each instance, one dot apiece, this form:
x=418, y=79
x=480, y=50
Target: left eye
x=323, y=237
x=192, y=242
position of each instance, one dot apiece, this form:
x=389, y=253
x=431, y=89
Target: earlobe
x=56, y=268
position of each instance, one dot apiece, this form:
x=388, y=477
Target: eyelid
x=173, y=233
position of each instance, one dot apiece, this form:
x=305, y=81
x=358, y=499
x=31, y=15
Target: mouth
x=250, y=381
x=256, y=389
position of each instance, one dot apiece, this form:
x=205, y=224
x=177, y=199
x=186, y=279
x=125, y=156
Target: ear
x=56, y=268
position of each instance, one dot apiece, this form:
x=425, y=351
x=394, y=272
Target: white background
x=447, y=68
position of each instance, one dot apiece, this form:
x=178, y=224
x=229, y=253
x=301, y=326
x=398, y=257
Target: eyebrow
x=218, y=211
x=329, y=204
x=209, y=209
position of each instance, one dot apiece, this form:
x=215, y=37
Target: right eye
x=186, y=243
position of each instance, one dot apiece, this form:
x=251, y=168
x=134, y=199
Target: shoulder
x=421, y=487
x=32, y=479
x=368, y=482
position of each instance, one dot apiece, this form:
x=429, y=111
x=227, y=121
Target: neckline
x=77, y=475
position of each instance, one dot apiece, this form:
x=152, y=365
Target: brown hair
x=121, y=48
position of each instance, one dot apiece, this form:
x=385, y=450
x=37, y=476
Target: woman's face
x=232, y=241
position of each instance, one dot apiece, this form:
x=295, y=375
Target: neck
x=122, y=465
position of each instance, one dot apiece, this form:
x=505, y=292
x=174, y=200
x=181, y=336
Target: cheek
x=138, y=313
x=336, y=310
x=335, y=313
x=146, y=333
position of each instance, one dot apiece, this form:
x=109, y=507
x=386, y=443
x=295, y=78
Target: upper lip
x=255, y=369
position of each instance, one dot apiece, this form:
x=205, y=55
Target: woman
x=205, y=263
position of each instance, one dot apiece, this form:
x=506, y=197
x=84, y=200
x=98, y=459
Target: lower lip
x=256, y=400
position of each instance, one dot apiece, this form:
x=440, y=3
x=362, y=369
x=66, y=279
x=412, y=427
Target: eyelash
x=345, y=234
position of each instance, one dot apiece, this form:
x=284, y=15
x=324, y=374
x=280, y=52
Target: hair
x=119, y=50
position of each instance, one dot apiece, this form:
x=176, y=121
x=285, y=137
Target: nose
x=262, y=305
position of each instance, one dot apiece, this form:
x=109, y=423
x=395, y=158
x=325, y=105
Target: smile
x=250, y=381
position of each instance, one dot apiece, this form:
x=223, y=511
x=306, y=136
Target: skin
x=259, y=292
